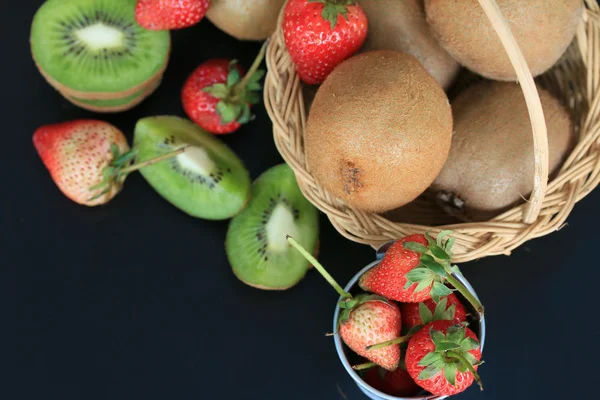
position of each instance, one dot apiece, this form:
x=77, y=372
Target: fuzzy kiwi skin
x=379, y=131
x=246, y=19
x=401, y=25
x=543, y=30
x=491, y=162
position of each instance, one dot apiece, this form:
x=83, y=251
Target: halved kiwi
x=207, y=181
x=256, y=242
x=96, y=46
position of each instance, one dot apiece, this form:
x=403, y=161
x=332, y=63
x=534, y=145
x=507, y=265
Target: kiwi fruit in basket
x=542, y=29
x=378, y=131
x=256, y=244
x=207, y=181
x=96, y=54
x=491, y=163
x=401, y=25
x=245, y=19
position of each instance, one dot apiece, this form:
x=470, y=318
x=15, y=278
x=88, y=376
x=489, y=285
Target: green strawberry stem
x=398, y=340
x=460, y=358
x=163, y=157
x=318, y=267
x=239, y=88
x=362, y=367
x=464, y=291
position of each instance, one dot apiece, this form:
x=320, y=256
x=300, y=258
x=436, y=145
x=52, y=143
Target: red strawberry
x=395, y=383
x=160, y=15
x=418, y=314
x=443, y=358
x=388, y=279
x=320, y=34
x=81, y=156
x=416, y=268
x=371, y=320
x=217, y=96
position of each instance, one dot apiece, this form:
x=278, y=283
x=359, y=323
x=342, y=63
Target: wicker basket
x=575, y=80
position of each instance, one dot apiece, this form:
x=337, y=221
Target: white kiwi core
x=197, y=160
x=100, y=36
x=281, y=223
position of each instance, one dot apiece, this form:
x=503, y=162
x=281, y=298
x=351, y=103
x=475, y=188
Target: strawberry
x=217, y=96
x=417, y=268
x=395, y=383
x=160, y=15
x=320, y=34
x=83, y=158
x=415, y=315
x=443, y=358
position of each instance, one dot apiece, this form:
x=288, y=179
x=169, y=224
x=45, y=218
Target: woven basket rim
x=550, y=202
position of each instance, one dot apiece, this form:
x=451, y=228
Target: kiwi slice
x=96, y=46
x=256, y=240
x=207, y=181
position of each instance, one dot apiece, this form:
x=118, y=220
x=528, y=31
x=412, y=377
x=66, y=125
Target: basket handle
x=534, y=106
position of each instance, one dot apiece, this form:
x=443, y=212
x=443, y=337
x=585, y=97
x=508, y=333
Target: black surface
x=136, y=300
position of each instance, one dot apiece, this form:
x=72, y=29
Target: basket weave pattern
x=575, y=80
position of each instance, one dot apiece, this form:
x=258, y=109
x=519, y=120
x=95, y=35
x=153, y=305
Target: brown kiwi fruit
x=543, y=30
x=245, y=19
x=379, y=131
x=491, y=162
x=401, y=25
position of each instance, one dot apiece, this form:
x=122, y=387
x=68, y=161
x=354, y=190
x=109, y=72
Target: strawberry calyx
x=451, y=355
x=439, y=313
x=332, y=9
x=237, y=93
x=435, y=269
x=349, y=304
x=115, y=173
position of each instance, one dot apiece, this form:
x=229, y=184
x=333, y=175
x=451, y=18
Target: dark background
x=136, y=300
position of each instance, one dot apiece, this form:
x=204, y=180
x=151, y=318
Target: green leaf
x=430, y=239
x=438, y=252
x=100, y=194
x=441, y=236
x=414, y=246
x=108, y=172
x=450, y=373
x=455, y=270
x=425, y=314
x=420, y=274
x=449, y=314
x=252, y=97
x=429, y=359
x=226, y=111
x=233, y=77
x=246, y=115
x=257, y=76
x=332, y=11
x=445, y=346
x=440, y=309
x=437, y=337
x=414, y=330
x=345, y=304
x=449, y=244
x=433, y=265
x=114, y=149
x=469, y=344
x=422, y=286
x=439, y=290
x=124, y=158
x=218, y=90
x=471, y=358
x=432, y=370
x=456, y=334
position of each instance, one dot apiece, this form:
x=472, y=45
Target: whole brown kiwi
x=491, y=163
x=379, y=131
x=542, y=28
x=245, y=19
x=401, y=25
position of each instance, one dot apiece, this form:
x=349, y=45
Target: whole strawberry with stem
x=443, y=358
x=416, y=315
x=395, y=383
x=161, y=15
x=417, y=268
x=365, y=320
x=88, y=159
x=218, y=94
x=320, y=34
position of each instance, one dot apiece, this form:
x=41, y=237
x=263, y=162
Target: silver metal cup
x=477, y=326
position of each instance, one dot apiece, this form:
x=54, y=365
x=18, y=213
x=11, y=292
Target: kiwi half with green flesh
x=256, y=244
x=96, y=47
x=207, y=181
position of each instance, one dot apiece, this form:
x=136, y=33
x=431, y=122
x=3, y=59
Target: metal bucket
x=477, y=326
